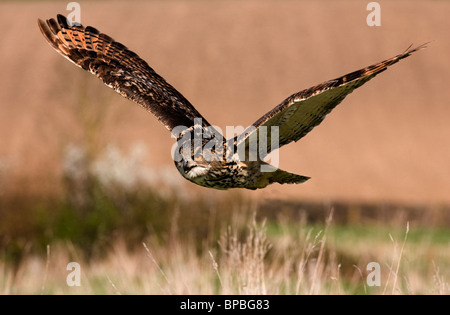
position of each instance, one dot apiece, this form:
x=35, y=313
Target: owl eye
x=197, y=158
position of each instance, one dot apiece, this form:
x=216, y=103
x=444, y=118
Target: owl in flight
x=236, y=162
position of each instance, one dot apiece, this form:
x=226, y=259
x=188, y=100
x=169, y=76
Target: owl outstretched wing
x=301, y=112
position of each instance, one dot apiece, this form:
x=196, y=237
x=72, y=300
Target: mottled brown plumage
x=130, y=76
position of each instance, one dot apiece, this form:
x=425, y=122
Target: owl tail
x=283, y=177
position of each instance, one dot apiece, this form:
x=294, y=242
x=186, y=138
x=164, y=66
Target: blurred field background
x=87, y=176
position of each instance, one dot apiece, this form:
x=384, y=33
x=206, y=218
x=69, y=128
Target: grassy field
x=275, y=259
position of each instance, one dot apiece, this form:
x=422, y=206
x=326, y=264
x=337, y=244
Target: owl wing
x=120, y=69
x=301, y=112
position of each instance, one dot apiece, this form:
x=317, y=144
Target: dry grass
x=299, y=261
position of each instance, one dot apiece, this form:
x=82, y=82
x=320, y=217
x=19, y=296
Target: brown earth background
x=235, y=60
